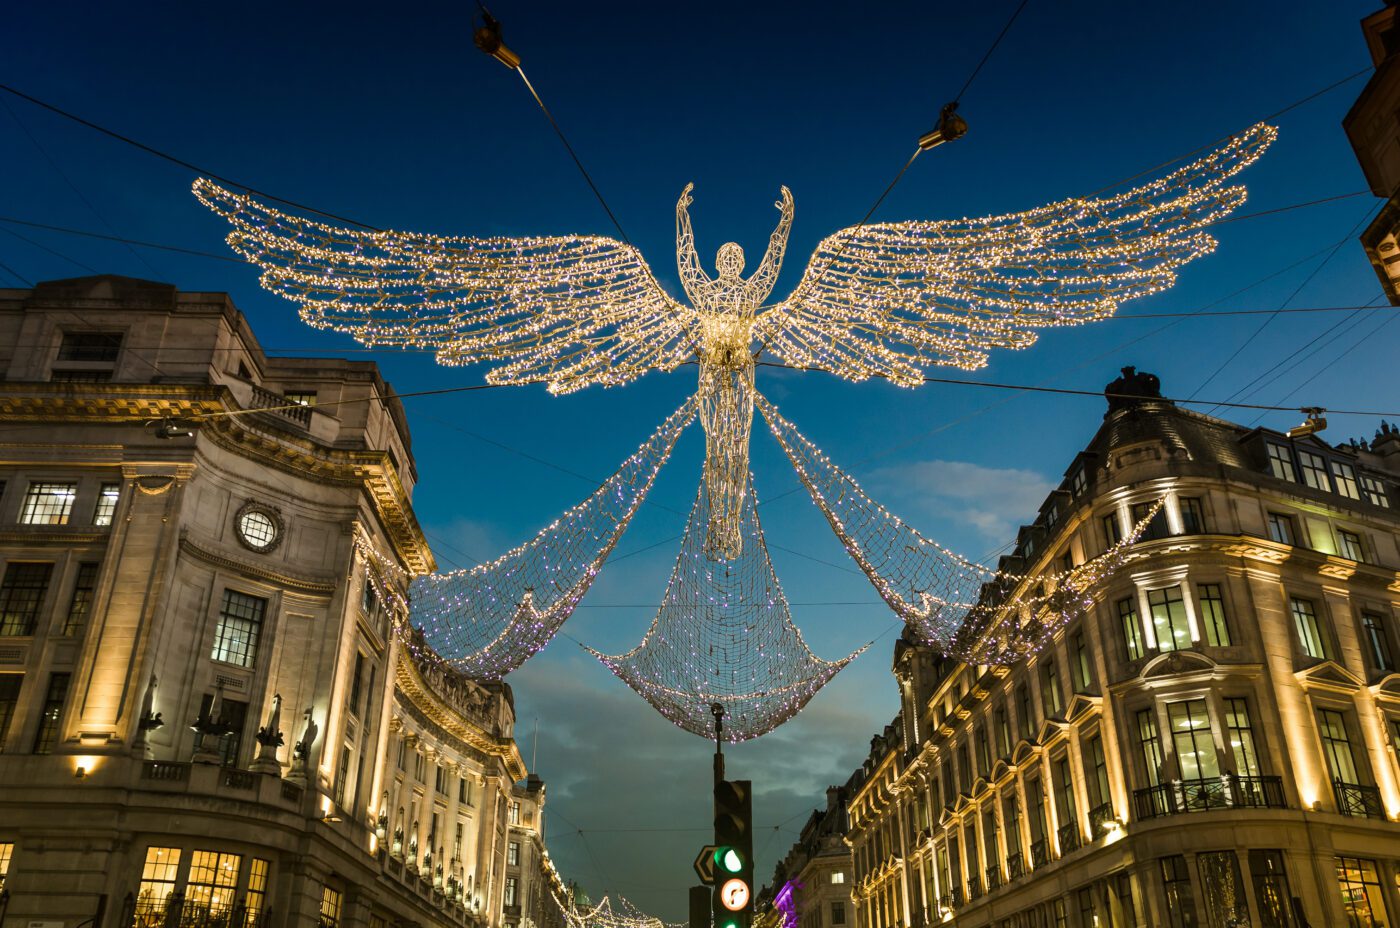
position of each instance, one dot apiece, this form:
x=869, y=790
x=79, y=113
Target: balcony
x=974, y=887
x=273, y=402
x=993, y=877
x=1069, y=838
x=1099, y=817
x=1358, y=801
x=1015, y=866
x=1040, y=854
x=1224, y=792
x=175, y=911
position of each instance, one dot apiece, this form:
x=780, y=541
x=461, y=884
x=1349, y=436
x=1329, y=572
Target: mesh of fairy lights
x=883, y=300
x=490, y=619
x=724, y=634
x=954, y=605
x=606, y=915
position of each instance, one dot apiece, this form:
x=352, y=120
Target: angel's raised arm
x=693, y=278
x=763, y=279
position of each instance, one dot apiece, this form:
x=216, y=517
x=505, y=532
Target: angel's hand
x=784, y=204
x=685, y=199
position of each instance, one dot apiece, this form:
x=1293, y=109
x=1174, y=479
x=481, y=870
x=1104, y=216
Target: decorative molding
x=301, y=584
x=1329, y=675
x=418, y=700
x=1177, y=662
x=154, y=485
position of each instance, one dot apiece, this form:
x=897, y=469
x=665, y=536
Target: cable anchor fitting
x=950, y=128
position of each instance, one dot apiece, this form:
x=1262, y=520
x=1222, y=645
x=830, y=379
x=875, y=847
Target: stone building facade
x=1212, y=744
x=206, y=717
x=816, y=870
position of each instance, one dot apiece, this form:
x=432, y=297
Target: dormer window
x=1281, y=463
x=86, y=357
x=1314, y=470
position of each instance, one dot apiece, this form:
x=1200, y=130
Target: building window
x=1025, y=711
x=513, y=854
x=1222, y=888
x=1310, y=635
x=330, y=907
x=301, y=397
x=1169, y=619
x=1217, y=632
x=48, y=504
x=838, y=913
x=1083, y=667
x=464, y=791
x=1360, y=885
x=342, y=776
x=984, y=752
x=10, y=684
x=81, y=603
x=511, y=884
x=513, y=816
x=1345, y=478
x=1157, y=528
x=1241, y=737
x=1176, y=884
x=213, y=881
x=159, y=874
x=1064, y=795
x=1003, y=725
x=1191, y=739
x=1132, y=629
x=356, y=678
x=256, y=899
x=1193, y=519
x=964, y=768
x=1377, y=640
x=1271, y=892
x=1282, y=529
x=1112, y=531
x=240, y=624
x=21, y=595
x=107, y=496
x=1078, y=481
x=1314, y=470
x=1050, y=693
x=1350, y=543
x=47, y=735
x=1151, y=744
x=1375, y=491
x=1281, y=462
x=838, y=876
x=1336, y=745
x=90, y=346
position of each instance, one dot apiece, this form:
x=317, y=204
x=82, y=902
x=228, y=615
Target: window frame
x=224, y=650
x=1211, y=614
x=1131, y=621
x=35, y=507
x=1312, y=467
x=1317, y=634
x=1170, y=623
x=1377, y=637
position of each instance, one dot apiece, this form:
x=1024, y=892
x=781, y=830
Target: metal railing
x=1357, y=800
x=1069, y=837
x=1099, y=817
x=175, y=912
x=1040, y=853
x=1015, y=866
x=993, y=877
x=974, y=887
x=1223, y=792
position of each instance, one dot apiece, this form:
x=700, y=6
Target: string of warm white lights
x=724, y=634
x=490, y=619
x=891, y=299
x=958, y=607
x=572, y=310
x=604, y=915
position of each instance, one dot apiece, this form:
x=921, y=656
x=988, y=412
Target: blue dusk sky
x=386, y=113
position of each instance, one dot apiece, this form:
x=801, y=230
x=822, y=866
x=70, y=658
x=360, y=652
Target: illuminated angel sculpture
x=882, y=300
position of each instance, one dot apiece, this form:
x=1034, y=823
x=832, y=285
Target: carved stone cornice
x=283, y=450
x=300, y=583
x=420, y=699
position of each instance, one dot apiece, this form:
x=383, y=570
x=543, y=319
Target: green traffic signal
x=728, y=859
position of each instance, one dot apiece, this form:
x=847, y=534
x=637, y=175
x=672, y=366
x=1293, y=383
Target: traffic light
x=733, y=854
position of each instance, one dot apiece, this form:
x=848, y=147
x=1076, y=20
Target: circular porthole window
x=259, y=528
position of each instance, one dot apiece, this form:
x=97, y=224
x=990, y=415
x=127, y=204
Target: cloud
x=993, y=500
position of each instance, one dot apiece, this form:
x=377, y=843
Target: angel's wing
x=891, y=299
x=568, y=310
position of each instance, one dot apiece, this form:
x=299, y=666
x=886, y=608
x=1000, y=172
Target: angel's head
x=730, y=261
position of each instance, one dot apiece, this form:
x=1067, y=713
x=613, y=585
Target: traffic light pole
x=717, y=710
